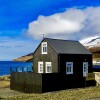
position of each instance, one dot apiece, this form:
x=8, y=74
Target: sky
x=23, y=23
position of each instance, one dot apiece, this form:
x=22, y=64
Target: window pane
x=48, y=67
x=70, y=69
x=41, y=64
x=44, y=48
x=67, y=69
x=43, y=45
x=40, y=67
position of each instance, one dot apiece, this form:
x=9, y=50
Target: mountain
x=91, y=42
x=93, y=45
x=26, y=58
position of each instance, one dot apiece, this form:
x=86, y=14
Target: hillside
x=26, y=58
x=95, y=51
x=93, y=45
x=91, y=41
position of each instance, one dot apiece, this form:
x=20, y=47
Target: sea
x=96, y=66
x=7, y=66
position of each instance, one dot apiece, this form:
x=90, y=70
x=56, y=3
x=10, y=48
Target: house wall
x=96, y=69
x=59, y=81
x=77, y=64
x=41, y=83
x=51, y=56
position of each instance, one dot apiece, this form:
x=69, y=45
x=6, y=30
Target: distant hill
x=93, y=45
x=26, y=58
x=95, y=51
x=91, y=41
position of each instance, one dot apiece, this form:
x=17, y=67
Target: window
x=44, y=48
x=40, y=67
x=48, y=67
x=69, y=67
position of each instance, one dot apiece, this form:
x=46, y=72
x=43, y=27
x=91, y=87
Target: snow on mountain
x=91, y=41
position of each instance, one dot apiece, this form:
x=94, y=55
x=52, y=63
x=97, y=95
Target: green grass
x=90, y=93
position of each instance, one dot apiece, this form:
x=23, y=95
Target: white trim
x=69, y=67
x=40, y=67
x=42, y=47
x=85, y=68
x=48, y=64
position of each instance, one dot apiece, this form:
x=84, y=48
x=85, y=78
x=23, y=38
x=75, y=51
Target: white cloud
x=72, y=24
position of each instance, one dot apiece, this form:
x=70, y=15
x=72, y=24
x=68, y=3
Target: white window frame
x=46, y=65
x=40, y=67
x=69, y=67
x=42, y=47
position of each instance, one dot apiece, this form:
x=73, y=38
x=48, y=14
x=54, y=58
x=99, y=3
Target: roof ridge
x=62, y=39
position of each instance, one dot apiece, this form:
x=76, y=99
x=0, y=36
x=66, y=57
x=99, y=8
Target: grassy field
x=91, y=93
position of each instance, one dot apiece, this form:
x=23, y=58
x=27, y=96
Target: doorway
x=85, y=68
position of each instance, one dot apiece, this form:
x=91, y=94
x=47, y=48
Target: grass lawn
x=4, y=84
x=91, y=93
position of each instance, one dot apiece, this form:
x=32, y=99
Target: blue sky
x=21, y=22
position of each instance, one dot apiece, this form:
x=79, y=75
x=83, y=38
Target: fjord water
x=96, y=66
x=6, y=65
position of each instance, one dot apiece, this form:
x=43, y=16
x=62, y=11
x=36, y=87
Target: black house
x=58, y=64
x=62, y=63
